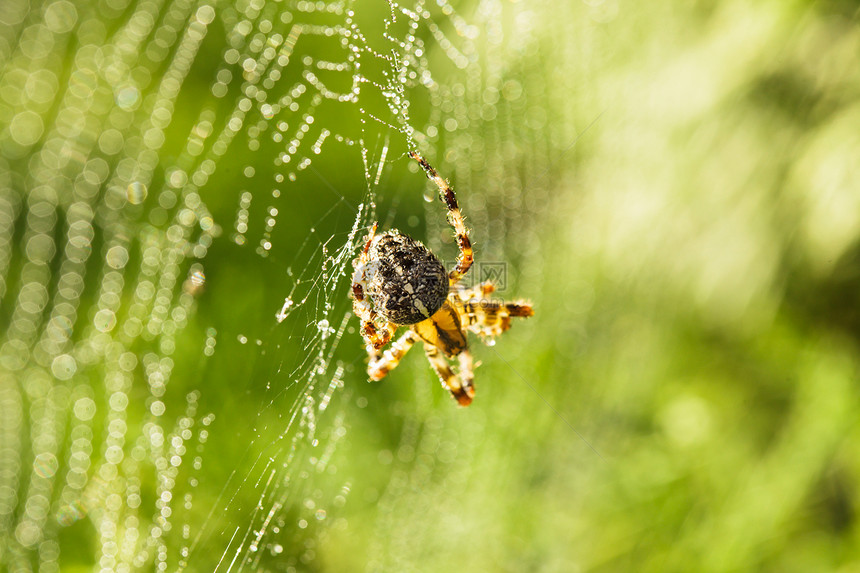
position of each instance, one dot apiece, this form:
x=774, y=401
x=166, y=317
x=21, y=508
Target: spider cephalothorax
x=400, y=282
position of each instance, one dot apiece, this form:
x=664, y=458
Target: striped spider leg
x=455, y=219
x=487, y=317
x=459, y=384
x=361, y=306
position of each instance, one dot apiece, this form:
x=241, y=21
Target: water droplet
x=282, y=314
x=324, y=328
x=198, y=278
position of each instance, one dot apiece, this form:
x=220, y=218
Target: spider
x=400, y=282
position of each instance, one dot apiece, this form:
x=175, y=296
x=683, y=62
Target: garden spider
x=399, y=282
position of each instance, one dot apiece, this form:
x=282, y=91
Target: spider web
x=181, y=174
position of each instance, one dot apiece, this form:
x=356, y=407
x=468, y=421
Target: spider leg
x=373, y=335
x=467, y=372
x=455, y=219
x=362, y=308
x=381, y=363
x=460, y=387
x=483, y=315
x=489, y=318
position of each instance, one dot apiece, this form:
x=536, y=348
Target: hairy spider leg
x=362, y=308
x=461, y=389
x=455, y=219
x=492, y=318
x=381, y=363
x=485, y=317
x=467, y=372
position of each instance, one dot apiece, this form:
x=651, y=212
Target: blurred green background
x=674, y=187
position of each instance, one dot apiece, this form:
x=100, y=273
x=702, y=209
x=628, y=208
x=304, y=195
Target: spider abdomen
x=405, y=281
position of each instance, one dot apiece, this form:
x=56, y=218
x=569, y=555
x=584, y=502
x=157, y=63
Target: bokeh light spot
x=26, y=128
x=45, y=464
x=104, y=320
x=61, y=16
x=136, y=193
x=85, y=409
x=64, y=366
